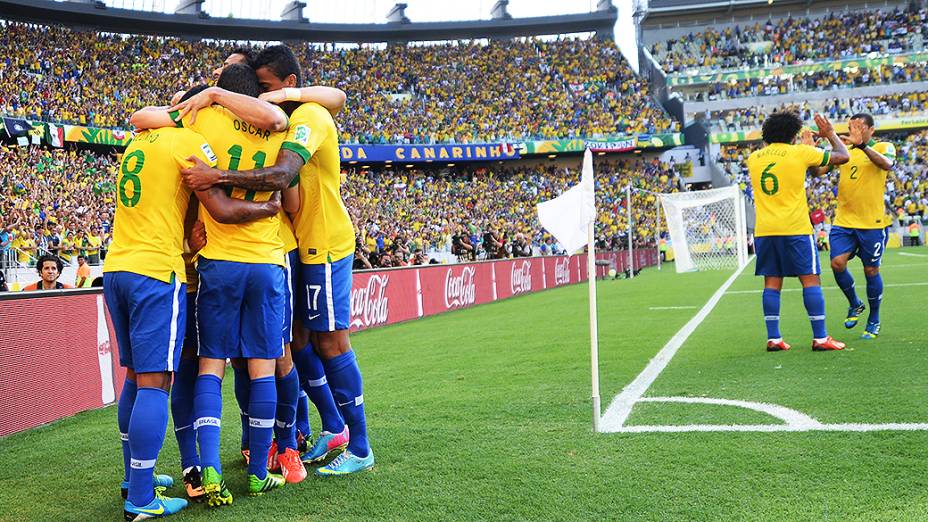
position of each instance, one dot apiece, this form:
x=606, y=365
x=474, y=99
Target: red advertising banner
x=384, y=297
x=449, y=287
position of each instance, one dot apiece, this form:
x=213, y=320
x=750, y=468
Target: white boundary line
x=912, y=255
x=673, y=307
x=613, y=420
x=617, y=412
x=888, y=285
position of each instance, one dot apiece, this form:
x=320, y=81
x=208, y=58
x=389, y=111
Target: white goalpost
x=707, y=228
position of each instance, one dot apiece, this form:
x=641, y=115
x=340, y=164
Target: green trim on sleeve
x=295, y=181
x=177, y=120
x=297, y=148
x=826, y=157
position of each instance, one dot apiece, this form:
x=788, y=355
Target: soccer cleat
x=258, y=486
x=214, y=488
x=159, y=507
x=291, y=467
x=777, y=346
x=273, y=464
x=327, y=445
x=347, y=463
x=245, y=456
x=159, y=481
x=853, y=315
x=193, y=483
x=827, y=345
x=872, y=331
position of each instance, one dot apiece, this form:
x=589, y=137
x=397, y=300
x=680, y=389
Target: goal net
x=707, y=228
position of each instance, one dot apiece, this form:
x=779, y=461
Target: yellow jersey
x=286, y=232
x=148, y=229
x=778, y=175
x=240, y=146
x=861, y=187
x=323, y=227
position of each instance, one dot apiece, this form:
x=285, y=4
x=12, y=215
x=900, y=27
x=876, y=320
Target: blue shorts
x=240, y=310
x=325, y=295
x=291, y=287
x=785, y=256
x=149, y=318
x=868, y=244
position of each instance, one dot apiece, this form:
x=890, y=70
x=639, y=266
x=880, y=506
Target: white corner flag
x=570, y=218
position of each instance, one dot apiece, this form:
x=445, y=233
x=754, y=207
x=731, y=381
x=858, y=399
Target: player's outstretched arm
x=276, y=177
x=256, y=112
x=233, y=211
x=154, y=117
x=839, y=154
x=860, y=138
x=333, y=99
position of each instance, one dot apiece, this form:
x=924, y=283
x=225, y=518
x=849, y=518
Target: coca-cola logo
x=104, y=348
x=562, y=271
x=369, y=303
x=460, y=290
x=521, y=277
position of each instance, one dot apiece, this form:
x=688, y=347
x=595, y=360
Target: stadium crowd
x=61, y=201
x=906, y=188
x=751, y=118
x=795, y=40
x=460, y=92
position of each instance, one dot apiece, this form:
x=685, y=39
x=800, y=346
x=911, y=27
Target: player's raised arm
x=201, y=176
x=253, y=110
x=861, y=135
x=333, y=99
x=839, y=154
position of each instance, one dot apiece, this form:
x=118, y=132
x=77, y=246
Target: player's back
x=240, y=146
x=861, y=187
x=323, y=227
x=148, y=228
x=778, y=173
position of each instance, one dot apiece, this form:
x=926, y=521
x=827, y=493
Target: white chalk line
x=892, y=426
x=887, y=285
x=672, y=307
x=617, y=412
x=909, y=254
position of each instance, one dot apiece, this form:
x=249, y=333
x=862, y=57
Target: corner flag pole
x=628, y=209
x=594, y=334
x=657, y=232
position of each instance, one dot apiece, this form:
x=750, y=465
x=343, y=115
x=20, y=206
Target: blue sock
x=771, y=302
x=814, y=300
x=288, y=393
x=846, y=283
x=261, y=408
x=345, y=379
x=185, y=379
x=207, y=409
x=242, y=385
x=302, y=415
x=146, y=436
x=874, y=297
x=123, y=415
x=314, y=382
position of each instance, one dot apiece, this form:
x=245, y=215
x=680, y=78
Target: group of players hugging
x=231, y=242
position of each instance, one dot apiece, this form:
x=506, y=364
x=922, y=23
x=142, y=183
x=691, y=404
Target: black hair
x=281, y=61
x=247, y=53
x=48, y=257
x=239, y=78
x=868, y=119
x=781, y=127
x=196, y=89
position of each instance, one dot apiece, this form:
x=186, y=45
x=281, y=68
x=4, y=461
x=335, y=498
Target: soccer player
x=784, y=242
x=309, y=157
x=144, y=279
x=860, y=222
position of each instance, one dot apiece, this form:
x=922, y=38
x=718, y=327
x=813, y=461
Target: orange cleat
x=273, y=465
x=828, y=345
x=291, y=467
x=777, y=346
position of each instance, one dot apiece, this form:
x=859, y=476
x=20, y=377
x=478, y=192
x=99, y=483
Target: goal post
x=707, y=228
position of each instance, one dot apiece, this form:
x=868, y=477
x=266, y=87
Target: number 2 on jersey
x=854, y=172
x=770, y=178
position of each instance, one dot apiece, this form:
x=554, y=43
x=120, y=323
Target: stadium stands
x=464, y=92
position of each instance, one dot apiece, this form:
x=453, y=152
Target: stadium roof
x=98, y=16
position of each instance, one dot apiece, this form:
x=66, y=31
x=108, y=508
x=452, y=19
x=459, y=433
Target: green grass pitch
x=484, y=414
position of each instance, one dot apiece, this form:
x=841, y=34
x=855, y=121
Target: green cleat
x=258, y=486
x=214, y=488
x=853, y=315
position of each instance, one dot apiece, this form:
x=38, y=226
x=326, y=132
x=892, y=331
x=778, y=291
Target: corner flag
x=567, y=216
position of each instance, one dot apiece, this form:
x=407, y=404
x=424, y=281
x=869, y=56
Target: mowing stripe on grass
x=673, y=307
x=617, y=412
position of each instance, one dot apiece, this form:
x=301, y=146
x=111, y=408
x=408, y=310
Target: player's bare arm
x=861, y=134
x=333, y=99
x=256, y=112
x=201, y=176
x=231, y=211
x=290, y=200
x=839, y=154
